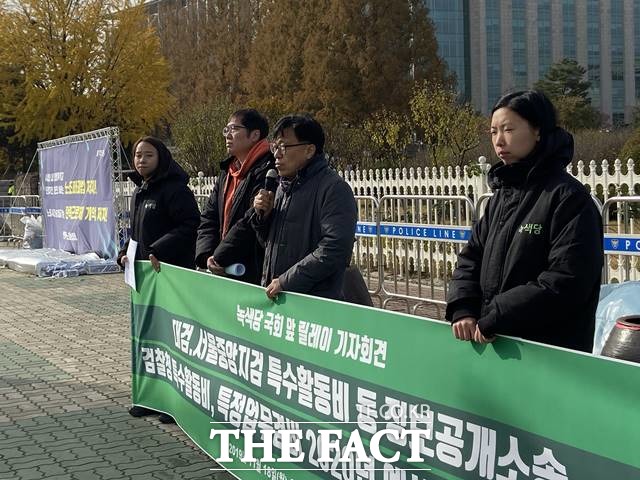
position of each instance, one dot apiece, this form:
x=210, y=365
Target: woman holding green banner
x=533, y=263
x=164, y=217
x=164, y=213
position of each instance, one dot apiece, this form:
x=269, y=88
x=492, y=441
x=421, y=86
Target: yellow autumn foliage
x=72, y=66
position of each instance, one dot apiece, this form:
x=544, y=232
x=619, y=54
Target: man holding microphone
x=308, y=225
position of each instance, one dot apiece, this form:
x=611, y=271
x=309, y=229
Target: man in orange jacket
x=225, y=236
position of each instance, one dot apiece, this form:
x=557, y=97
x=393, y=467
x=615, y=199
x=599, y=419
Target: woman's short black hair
x=158, y=144
x=532, y=105
x=305, y=128
x=164, y=155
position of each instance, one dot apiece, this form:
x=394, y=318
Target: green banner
x=217, y=353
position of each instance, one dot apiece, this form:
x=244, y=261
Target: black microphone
x=271, y=180
x=270, y=185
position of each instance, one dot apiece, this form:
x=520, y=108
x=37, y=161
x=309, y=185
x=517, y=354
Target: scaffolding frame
x=119, y=201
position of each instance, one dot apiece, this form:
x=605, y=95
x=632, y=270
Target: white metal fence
x=604, y=179
x=407, y=245
x=409, y=269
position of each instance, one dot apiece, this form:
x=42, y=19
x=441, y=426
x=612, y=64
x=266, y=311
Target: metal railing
x=12, y=209
x=621, y=239
x=418, y=239
x=367, y=254
x=407, y=245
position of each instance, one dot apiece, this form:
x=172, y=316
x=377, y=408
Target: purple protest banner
x=77, y=197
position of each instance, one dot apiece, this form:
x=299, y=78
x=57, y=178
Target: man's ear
x=254, y=136
x=311, y=150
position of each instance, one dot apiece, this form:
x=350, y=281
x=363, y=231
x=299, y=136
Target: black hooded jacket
x=164, y=214
x=239, y=245
x=310, y=233
x=533, y=264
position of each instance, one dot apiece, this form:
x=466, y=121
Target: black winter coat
x=164, y=215
x=310, y=233
x=239, y=244
x=533, y=264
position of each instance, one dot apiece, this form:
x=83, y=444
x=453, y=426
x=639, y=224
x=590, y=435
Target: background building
x=497, y=46
x=450, y=17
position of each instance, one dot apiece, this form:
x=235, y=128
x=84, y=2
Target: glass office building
x=450, y=20
x=498, y=46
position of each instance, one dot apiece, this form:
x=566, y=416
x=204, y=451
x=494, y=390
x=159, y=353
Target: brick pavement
x=65, y=388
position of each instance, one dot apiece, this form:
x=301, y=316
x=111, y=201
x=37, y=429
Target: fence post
x=200, y=178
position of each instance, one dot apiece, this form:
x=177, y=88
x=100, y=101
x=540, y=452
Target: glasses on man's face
x=231, y=128
x=282, y=148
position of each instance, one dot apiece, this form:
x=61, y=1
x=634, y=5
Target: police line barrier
x=419, y=238
x=21, y=210
x=367, y=251
x=481, y=203
x=12, y=209
x=394, y=221
x=621, y=242
x=484, y=199
x=416, y=259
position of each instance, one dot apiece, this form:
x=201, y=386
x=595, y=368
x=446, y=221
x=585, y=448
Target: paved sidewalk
x=65, y=387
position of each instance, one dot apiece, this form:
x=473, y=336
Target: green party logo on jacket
x=531, y=228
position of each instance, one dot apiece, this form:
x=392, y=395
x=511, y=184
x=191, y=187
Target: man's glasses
x=282, y=148
x=231, y=128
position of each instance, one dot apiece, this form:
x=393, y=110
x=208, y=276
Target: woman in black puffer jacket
x=164, y=214
x=164, y=218
x=533, y=263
